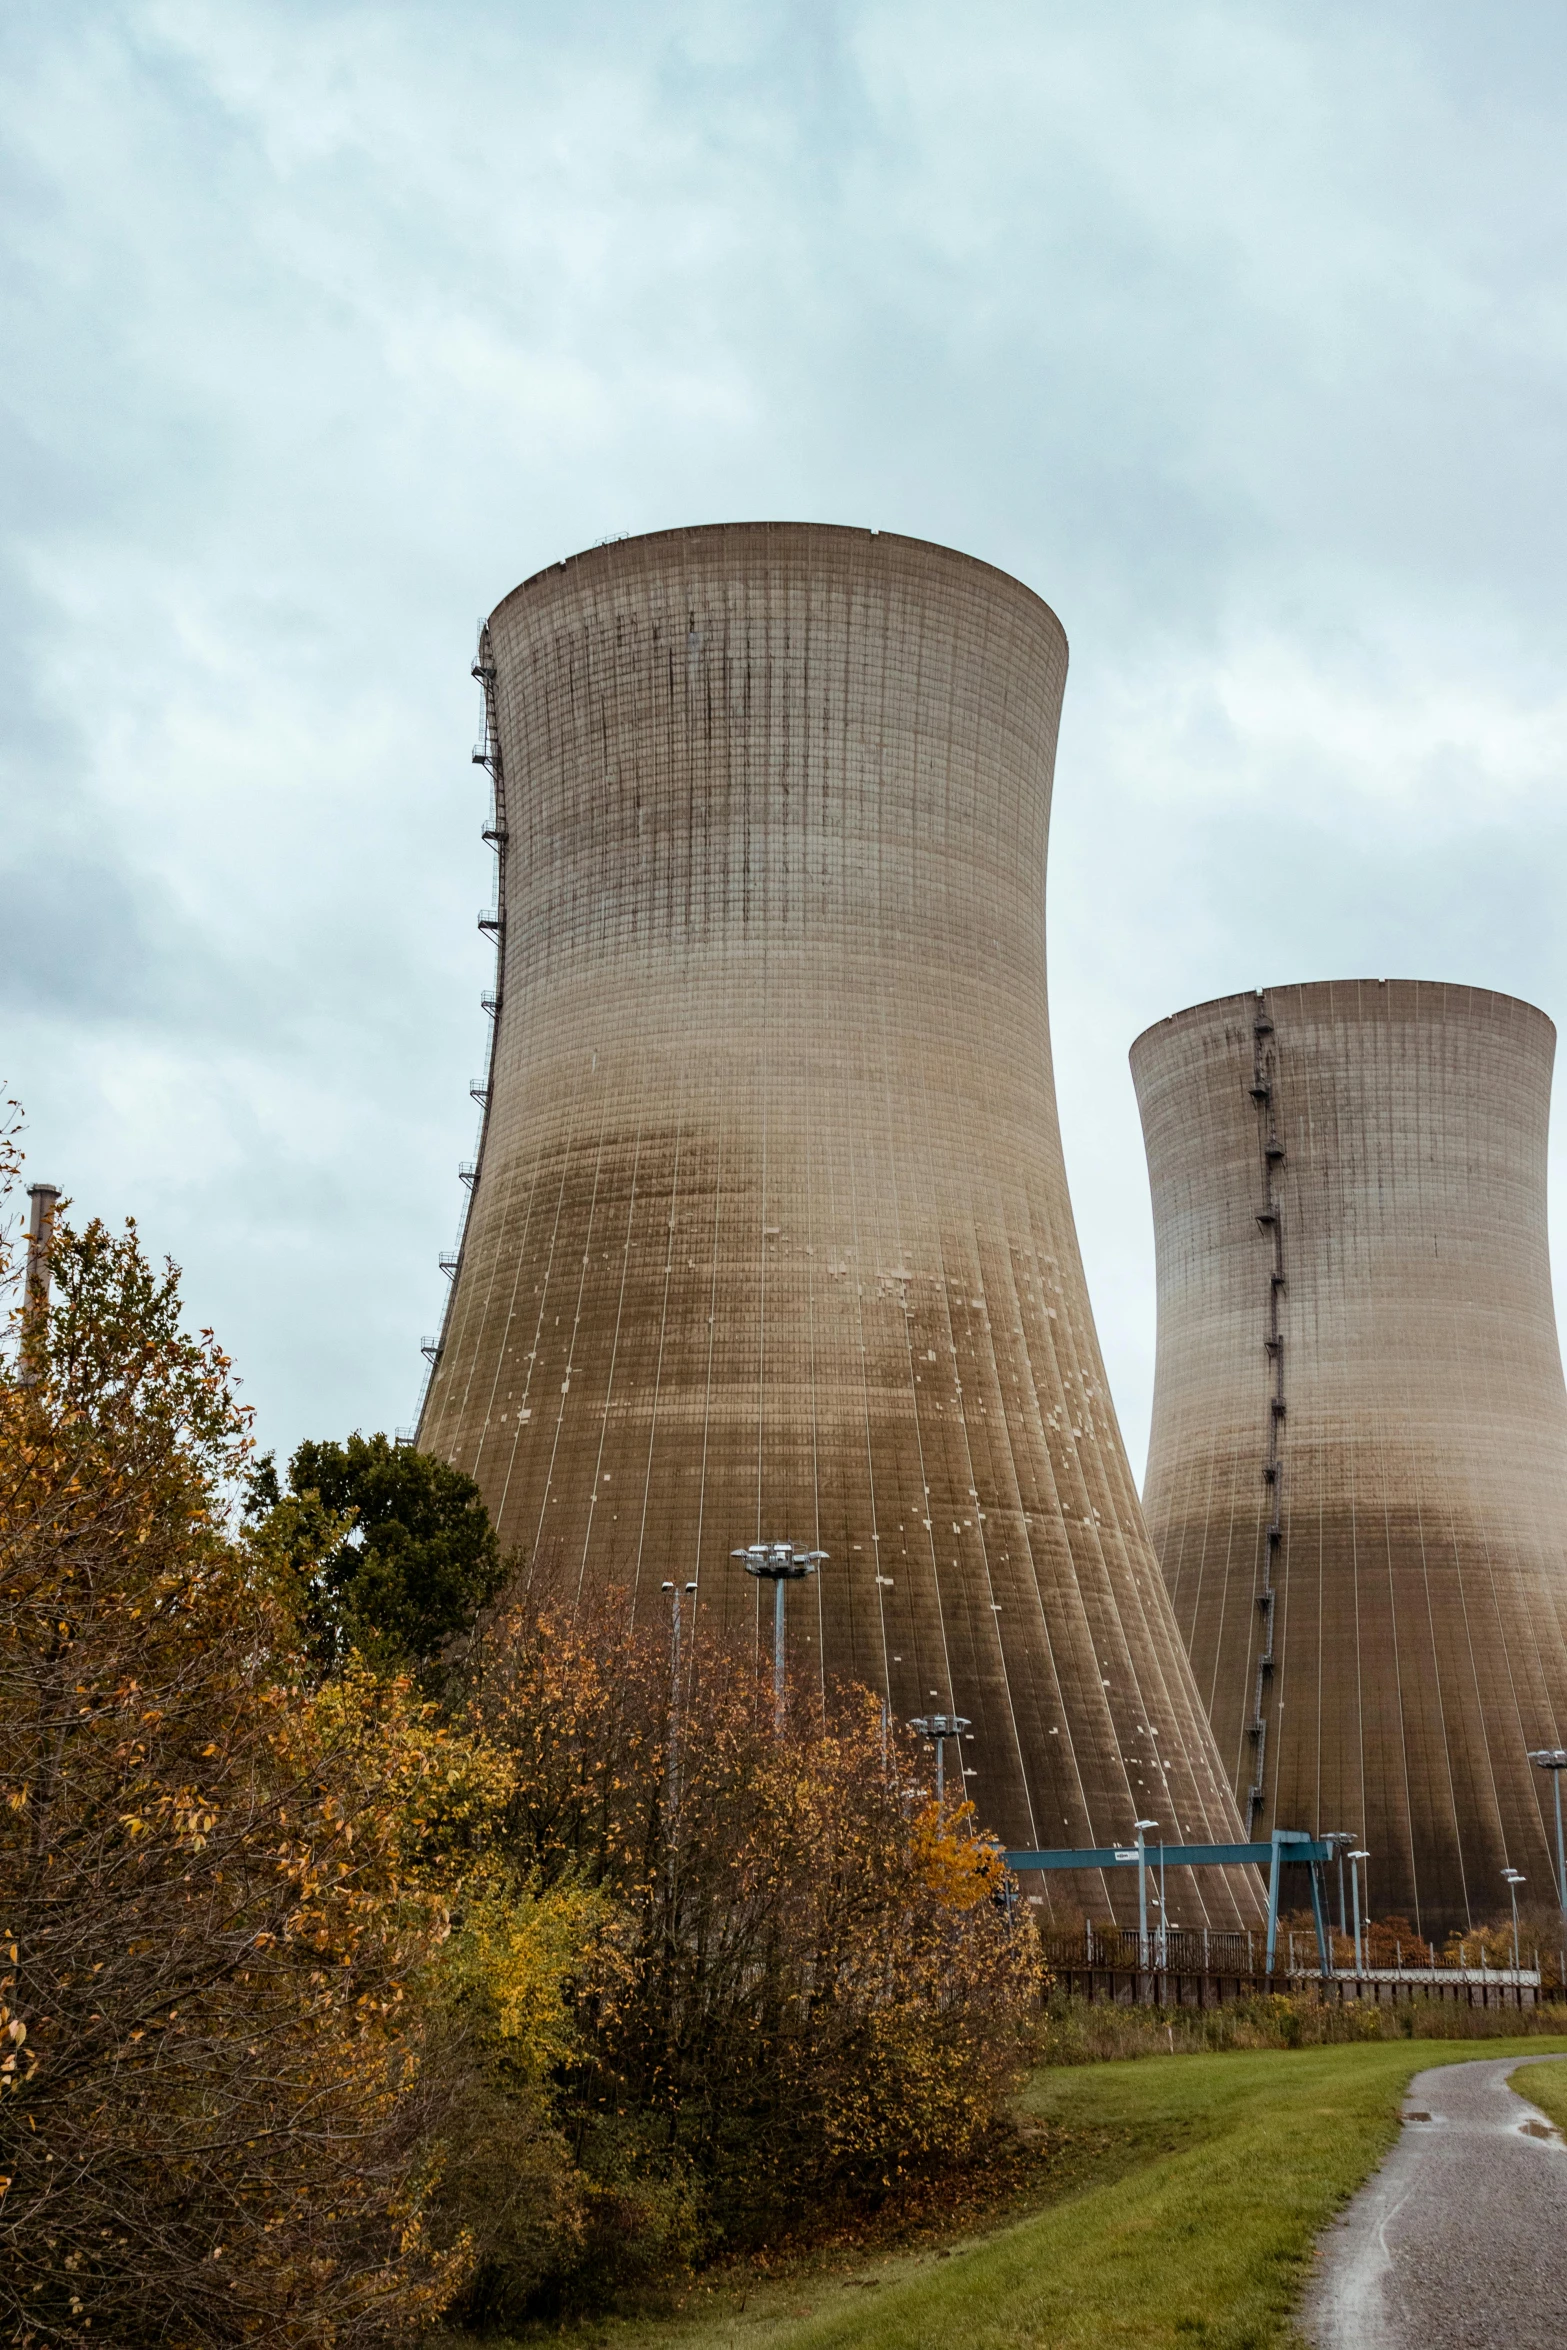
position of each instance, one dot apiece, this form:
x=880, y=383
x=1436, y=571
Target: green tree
x=381, y=1548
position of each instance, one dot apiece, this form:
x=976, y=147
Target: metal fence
x=1187, y=1951
x=1177, y=1950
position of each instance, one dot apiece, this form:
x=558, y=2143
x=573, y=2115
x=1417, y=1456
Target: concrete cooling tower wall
x=1357, y=1480
x=770, y=1237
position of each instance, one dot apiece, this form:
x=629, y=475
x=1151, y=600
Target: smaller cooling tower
x=1357, y=1478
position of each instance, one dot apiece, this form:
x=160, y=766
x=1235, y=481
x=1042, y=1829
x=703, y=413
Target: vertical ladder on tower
x=492, y=921
x=1270, y=1221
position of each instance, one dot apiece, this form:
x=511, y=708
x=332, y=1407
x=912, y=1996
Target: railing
x=1444, y=1971
x=1180, y=1950
x=492, y=922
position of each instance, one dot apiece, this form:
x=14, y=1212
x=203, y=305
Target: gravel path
x=1460, y=2240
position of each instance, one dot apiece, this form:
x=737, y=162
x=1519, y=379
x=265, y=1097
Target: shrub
x=1082, y=2031
x=803, y=1986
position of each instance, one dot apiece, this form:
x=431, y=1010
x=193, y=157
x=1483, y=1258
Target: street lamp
x=1142, y=1891
x=1356, y=1857
x=938, y=1728
x=780, y=1564
x=674, y=1683
x=1554, y=1760
x=674, y=1642
x=1164, y=1920
x=1341, y=1840
x=1514, y=1878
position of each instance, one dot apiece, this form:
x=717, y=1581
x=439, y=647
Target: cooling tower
x=1357, y=1480
x=770, y=1236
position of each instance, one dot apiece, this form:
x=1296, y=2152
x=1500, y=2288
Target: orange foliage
x=319, y=2008
x=959, y=1867
x=802, y=1983
x=215, y=1883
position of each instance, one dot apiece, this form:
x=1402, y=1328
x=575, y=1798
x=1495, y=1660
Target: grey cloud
x=72, y=943
x=1235, y=332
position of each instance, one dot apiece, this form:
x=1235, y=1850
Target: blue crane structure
x=1286, y=1846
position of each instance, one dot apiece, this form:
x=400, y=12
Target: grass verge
x=1187, y=2196
x=1545, y=2085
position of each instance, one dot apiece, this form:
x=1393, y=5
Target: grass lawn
x=1190, y=2191
x=1546, y=2087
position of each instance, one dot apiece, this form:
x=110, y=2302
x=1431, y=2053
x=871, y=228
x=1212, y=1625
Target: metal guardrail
x=1529, y=1978
x=1179, y=1950
x=1182, y=1950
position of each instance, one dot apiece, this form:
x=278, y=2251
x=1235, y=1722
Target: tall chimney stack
x=35, y=1294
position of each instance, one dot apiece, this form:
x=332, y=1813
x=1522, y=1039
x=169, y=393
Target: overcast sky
x=1239, y=332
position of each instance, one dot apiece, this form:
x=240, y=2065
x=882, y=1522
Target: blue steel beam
x=1286, y=1847
x=1176, y=1856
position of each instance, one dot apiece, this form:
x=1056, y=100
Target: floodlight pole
x=1514, y=1878
x=938, y=1728
x=1342, y=1842
x=778, y=1563
x=674, y=1687
x=1554, y=1760
x=1142, y=1894
x=1355, y=1858
x=1164, y=1922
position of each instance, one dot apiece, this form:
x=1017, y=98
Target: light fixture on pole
x=1164, y=1917
x=1142, y=1892
x=938, y=1728
x=1514, y=1878
x=674, y=1683
x=780, y=1564
x=1554, y=1760
x=1341, y=1839
x=674, y=1641
x=1356, y=1857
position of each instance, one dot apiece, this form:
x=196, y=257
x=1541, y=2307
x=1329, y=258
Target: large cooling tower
x=770, y=1237
x=1357, y=1481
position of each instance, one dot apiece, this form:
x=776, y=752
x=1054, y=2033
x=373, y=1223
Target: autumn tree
x=325, y=2009
x=803, y=1985
x=214, y=2125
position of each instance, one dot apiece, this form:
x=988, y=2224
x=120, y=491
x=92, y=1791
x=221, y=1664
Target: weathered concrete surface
x=1357, y=1469
x=770, y=1234
x=1458, y=2243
